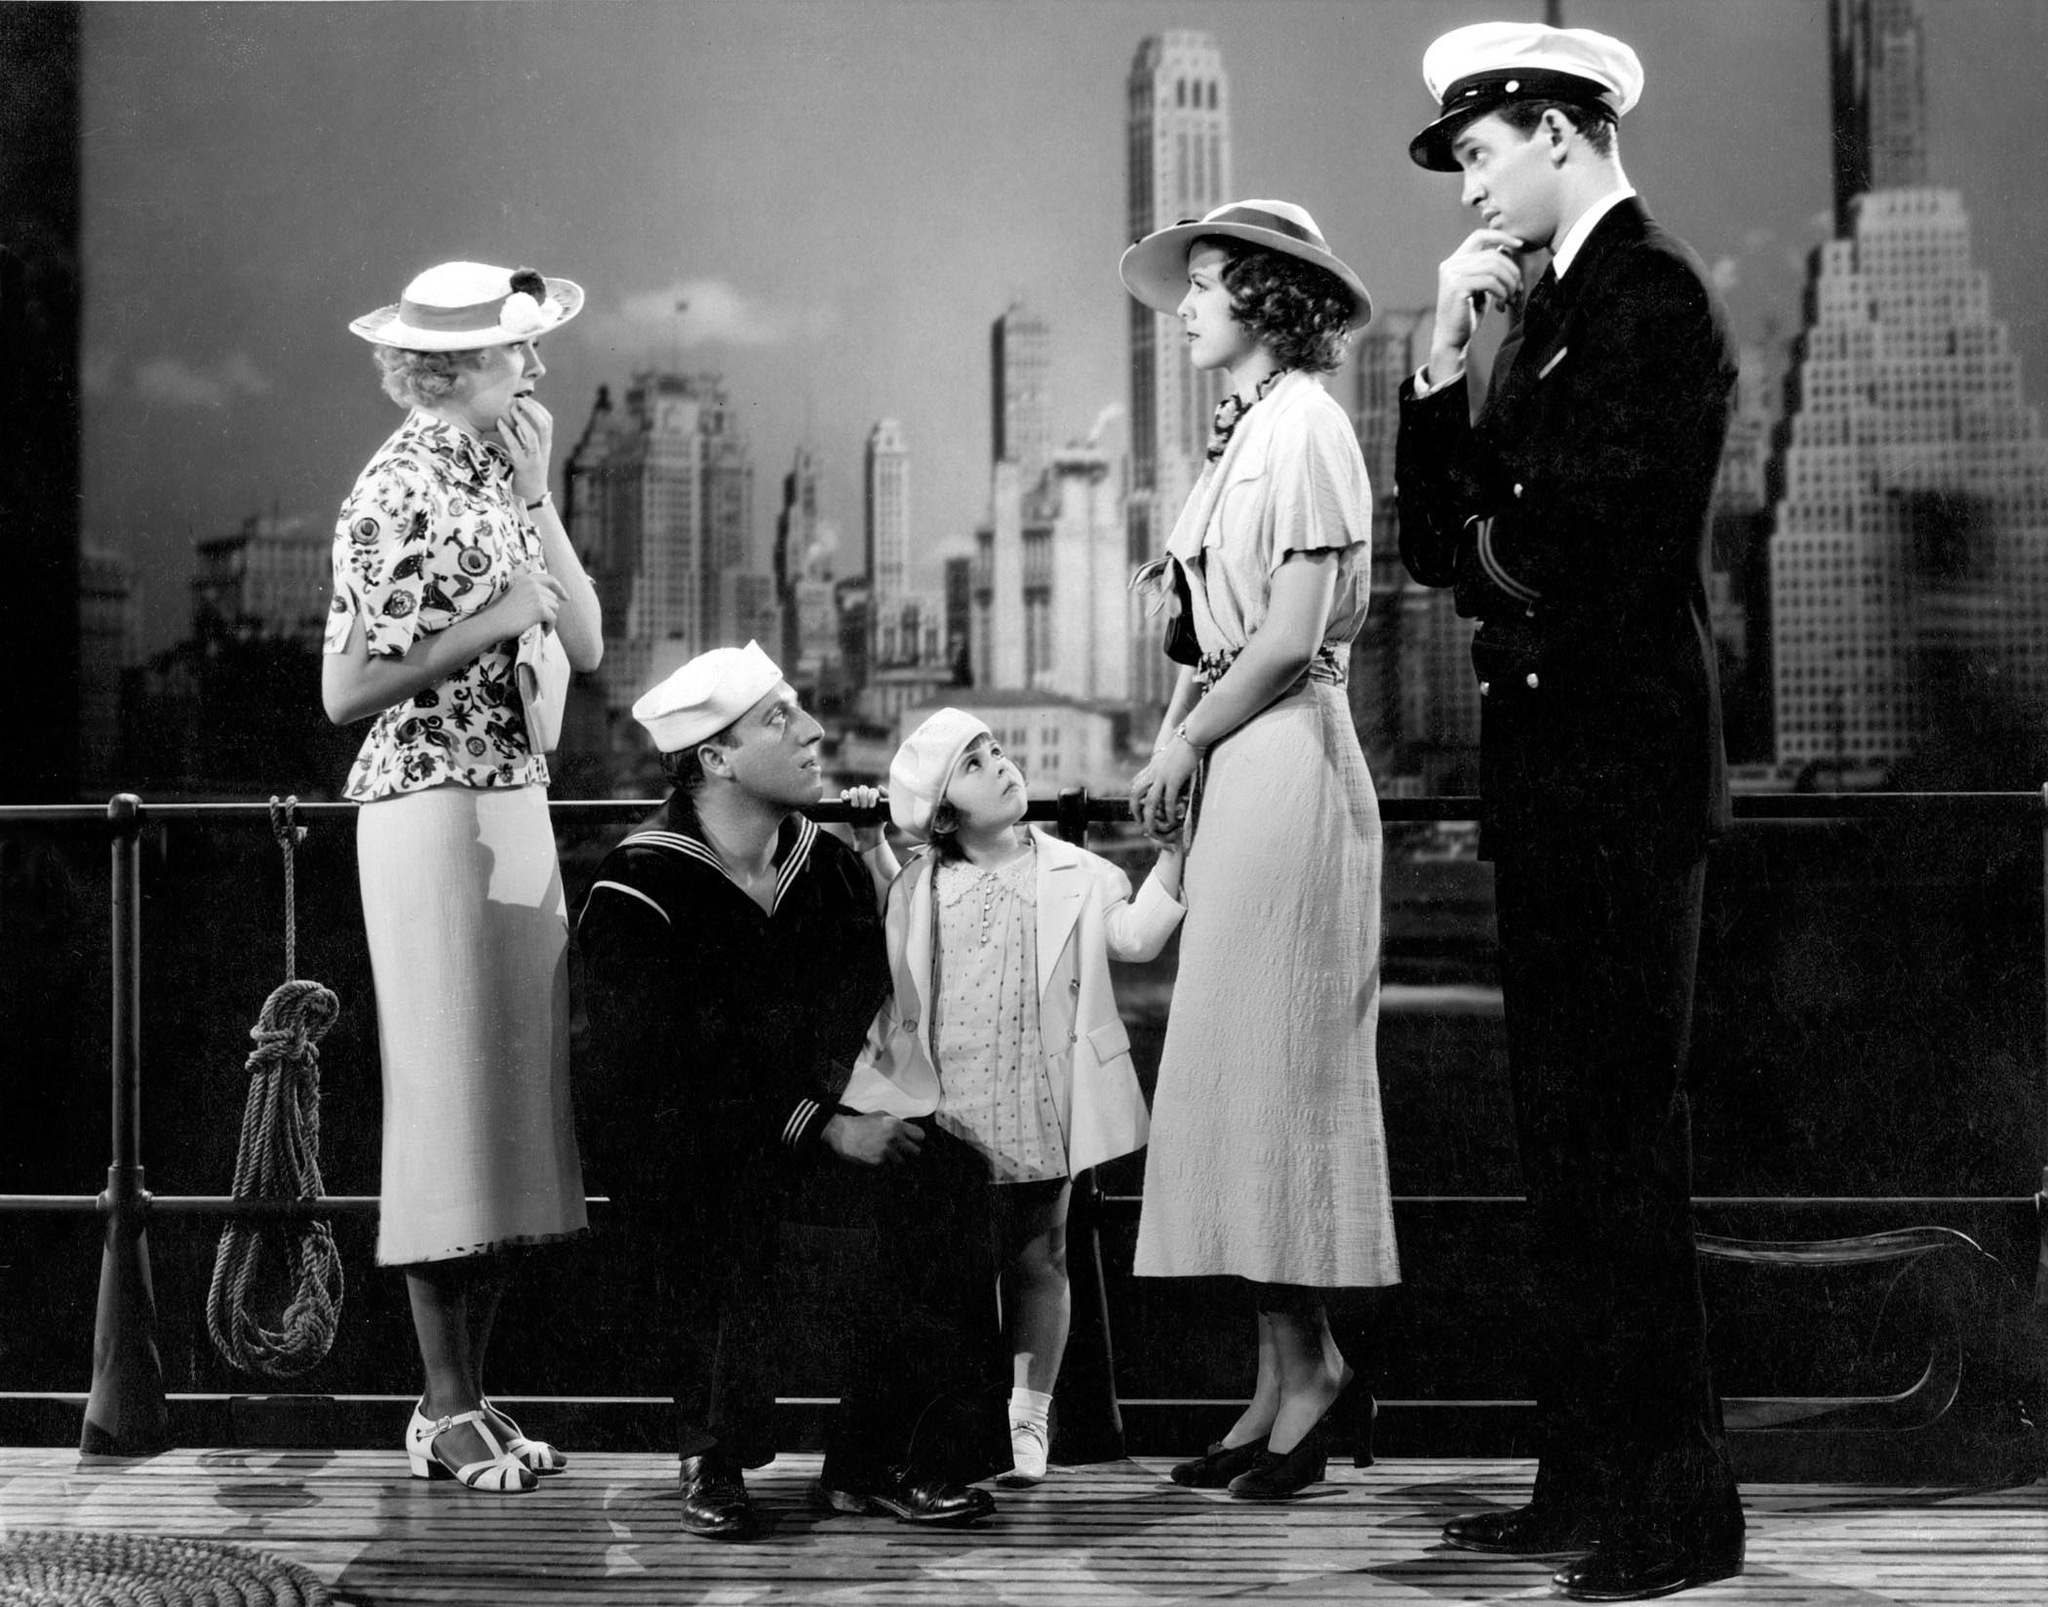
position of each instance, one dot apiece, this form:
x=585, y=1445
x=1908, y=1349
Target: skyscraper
x=1413, y=695
x=808, y=627
x=1050, y=584
x=108, y=628
x=1880, y=100
x=1738, y=576
x=1020, y=369
x=1178, y=155
x=660, y=497
x=1909, y=560
x=888, y=519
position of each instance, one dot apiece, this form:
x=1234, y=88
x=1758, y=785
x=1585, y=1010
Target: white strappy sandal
x=501, y=1472
x=535, y=1455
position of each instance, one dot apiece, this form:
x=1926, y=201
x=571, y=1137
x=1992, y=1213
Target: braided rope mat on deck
x=74, y=1568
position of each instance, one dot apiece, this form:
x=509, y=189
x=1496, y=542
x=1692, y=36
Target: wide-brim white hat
x=461, y=306
x=1155, y=270
x=923, y=768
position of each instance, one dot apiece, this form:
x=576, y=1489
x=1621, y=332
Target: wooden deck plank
x=1118, y=1535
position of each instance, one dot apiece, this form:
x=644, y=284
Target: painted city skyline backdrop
x=843, y=198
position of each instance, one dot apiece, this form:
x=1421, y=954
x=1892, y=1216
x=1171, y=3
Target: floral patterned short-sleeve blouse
x=433, y=532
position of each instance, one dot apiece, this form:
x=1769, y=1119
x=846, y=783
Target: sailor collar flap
x=681, y=838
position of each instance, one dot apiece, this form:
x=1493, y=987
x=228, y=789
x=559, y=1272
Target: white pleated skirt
x=469, y=943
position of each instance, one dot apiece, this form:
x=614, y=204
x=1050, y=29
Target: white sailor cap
x=706, y=695
x=923, y=768
x=1480, y=68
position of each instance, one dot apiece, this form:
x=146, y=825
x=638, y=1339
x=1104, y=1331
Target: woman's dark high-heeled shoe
x=1279, y=1475
x=1362, y=1414
x=1218, y=1465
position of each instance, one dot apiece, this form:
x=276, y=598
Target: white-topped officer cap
x=1481, y=67
x=706, y=695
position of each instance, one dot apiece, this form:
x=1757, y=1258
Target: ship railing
x=126, y=1412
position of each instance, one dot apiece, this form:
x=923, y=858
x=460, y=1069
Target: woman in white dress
x=446, y=552
x=1268, y=1157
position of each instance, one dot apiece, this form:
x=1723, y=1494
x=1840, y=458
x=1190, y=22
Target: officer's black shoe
x=1524, y=1532
x=908, y=1498
x=1638, y=1561
x=714, y=1493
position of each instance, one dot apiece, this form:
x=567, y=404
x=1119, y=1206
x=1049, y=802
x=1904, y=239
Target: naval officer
x=1569, y=518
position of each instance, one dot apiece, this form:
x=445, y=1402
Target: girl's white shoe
x=1027, y=1453
x=500, y=1472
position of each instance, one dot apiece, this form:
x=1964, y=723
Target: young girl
x=1002, y=1025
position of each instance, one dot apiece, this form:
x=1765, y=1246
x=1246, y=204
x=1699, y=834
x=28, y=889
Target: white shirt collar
x=1562, y=253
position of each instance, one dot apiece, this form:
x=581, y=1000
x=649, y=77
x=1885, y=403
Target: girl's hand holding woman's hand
x=865, y=837
x=533, y=598
x=527, y=431
x=1159, y=791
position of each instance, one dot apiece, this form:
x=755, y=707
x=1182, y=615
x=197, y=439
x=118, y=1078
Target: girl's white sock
x=1029, y=1406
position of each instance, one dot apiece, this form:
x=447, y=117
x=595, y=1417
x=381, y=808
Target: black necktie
x=1533, y=311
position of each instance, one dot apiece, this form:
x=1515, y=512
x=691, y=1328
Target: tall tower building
x=660, y=496
x=1413, y=695
x=1880, y=100
x=1050, y=584
x=1178, y=151
x=1738, y=576
x=1020, y=374
x=1909, y=560
x=888, y=518
x=808, y=627
x=796, y=528
x=109, y=626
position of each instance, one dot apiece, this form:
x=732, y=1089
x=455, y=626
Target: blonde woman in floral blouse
x=447, y=550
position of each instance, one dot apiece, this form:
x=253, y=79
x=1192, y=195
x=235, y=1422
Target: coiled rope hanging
x=279, y=1158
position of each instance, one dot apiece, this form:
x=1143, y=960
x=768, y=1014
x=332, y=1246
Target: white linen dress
x=1268, y=1157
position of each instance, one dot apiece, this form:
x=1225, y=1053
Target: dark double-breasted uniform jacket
x=1571, y=519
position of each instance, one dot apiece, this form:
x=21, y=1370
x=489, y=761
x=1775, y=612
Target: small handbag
x=542, y=672
x=1167, y=582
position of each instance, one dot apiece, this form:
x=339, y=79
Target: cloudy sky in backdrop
x=845, y=193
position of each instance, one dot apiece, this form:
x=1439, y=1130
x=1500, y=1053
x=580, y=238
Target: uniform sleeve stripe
x=1489, y=560
x=799, y=1119
x=634, y=892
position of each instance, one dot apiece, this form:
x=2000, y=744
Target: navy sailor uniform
x=720, y=1036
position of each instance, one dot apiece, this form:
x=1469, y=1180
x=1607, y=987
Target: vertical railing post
x=125, y=1415
x=1091, y=1424
x=2041, y=1199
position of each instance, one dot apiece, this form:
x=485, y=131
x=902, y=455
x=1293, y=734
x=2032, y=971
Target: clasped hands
x=1160, y=791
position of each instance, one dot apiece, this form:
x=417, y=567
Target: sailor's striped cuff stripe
x=1490, y=562
x=804, y=1122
